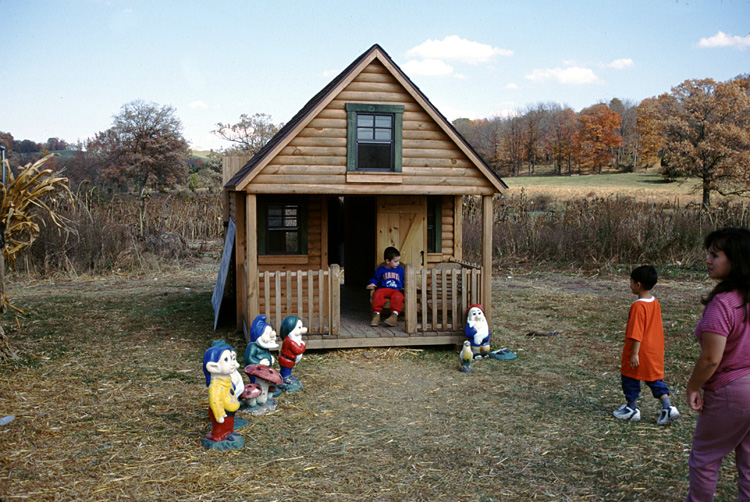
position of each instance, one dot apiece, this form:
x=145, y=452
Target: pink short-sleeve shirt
x=725, y=316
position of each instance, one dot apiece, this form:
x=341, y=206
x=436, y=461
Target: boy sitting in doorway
x=388, y=283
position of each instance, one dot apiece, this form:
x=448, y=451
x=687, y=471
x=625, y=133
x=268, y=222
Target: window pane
x=365, y=120
x=364, y=134
x=374, y=156
x=382, y=134
x=383, y=121
x=292, y=242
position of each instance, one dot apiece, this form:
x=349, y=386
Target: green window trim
x=352, y=109
x=263, y=205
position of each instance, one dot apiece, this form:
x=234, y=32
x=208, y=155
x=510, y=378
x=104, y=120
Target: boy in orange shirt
x=643, y=354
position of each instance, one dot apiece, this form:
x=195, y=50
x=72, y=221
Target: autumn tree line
x=700, y=129
x=119, y=219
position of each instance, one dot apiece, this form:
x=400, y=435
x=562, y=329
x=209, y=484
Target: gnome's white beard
x=482, y=330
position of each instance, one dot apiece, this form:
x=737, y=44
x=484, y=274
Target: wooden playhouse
x=367, y=163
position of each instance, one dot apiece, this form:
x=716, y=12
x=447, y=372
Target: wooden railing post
x=410, y=298
x=334, y=286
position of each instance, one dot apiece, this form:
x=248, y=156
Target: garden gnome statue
x=478, y=331
x=219, y=363
x=292, y=348
x=262, y=341
x=238, y=387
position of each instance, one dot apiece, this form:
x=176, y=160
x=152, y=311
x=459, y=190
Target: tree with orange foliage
x=599, y=134
x=650, y=138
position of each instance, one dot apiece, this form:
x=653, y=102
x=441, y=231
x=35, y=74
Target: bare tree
x=250, y=133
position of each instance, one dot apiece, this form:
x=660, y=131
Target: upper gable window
x=374, y=137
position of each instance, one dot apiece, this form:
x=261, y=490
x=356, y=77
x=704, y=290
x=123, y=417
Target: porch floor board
x=356, y=331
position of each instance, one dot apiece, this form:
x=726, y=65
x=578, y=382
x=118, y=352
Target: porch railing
x=313, y=295
x=435, y=300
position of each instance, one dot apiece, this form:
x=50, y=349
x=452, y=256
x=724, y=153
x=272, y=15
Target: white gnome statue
x=478, y=331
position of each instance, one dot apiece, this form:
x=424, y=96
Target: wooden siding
x=314, y=161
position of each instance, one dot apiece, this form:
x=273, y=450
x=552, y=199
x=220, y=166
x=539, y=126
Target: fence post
x=410, y=296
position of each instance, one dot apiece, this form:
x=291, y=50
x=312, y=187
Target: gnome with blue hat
x=262, y=341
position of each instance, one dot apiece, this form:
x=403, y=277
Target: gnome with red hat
x=478, y=331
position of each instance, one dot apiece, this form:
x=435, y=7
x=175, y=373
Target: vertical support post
x=410, y=298
x=334, y=288
x=458, y=227
x=486, y=293
x=240, y=277
x=251, y=256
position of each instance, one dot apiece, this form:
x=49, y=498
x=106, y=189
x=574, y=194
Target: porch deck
x=356, y=331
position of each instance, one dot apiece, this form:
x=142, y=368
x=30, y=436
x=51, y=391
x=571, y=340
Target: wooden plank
x=298, y=160
x=277, y=318
x=394, y=341
x=311, y=299
x=239, y=261
x=458, y=218
x=251, y=256
x=321, y=304
x=304, y=170
x=335, y=295
x=444, y=296
x=314, y=151
x=410, y=290
x=368, y=189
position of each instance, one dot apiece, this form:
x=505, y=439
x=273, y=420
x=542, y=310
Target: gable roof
x=322, y=98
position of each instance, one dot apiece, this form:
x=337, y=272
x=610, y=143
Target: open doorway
x=351, y=244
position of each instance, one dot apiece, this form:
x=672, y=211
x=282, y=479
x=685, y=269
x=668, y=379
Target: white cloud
x=429, y=67
x=722, y=39
x=620, y=64
x=511, y=85
x=573, y=76
x=455, y=48
x=198, y=104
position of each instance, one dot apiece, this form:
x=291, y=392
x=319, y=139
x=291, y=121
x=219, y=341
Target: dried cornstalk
x=25, y=200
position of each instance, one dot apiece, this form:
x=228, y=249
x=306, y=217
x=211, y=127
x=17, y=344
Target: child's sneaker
x=392, y=320
x=625, y=412
x=375, y=319
x=668, y=415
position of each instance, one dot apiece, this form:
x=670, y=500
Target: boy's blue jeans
x=632, y=388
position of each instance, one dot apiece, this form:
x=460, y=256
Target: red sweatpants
x=380, y=295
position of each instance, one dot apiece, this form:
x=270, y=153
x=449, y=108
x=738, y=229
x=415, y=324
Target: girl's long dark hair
x=735, y=242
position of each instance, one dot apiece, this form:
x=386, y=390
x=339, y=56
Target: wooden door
x=402, y=223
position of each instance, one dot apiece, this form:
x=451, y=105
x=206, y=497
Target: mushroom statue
x=219, y=363
x=292, y=348
x=477, y=331
x=264, y=376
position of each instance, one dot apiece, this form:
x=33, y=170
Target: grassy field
x=110, y=402
x=643, y=186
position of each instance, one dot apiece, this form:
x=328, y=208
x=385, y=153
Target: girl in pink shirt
x=722, y=370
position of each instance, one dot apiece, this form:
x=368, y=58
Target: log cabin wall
x=314, y=161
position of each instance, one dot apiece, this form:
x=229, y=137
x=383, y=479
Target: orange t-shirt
x=644, y=325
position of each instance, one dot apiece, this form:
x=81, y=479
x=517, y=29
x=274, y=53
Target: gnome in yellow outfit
x=219, y=363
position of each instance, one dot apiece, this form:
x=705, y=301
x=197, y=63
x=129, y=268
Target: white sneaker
x=625, y=412
x=667, y=416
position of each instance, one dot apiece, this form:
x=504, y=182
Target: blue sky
x=68, y=66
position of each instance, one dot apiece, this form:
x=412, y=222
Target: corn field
x=124, y=233
x=597, y=232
